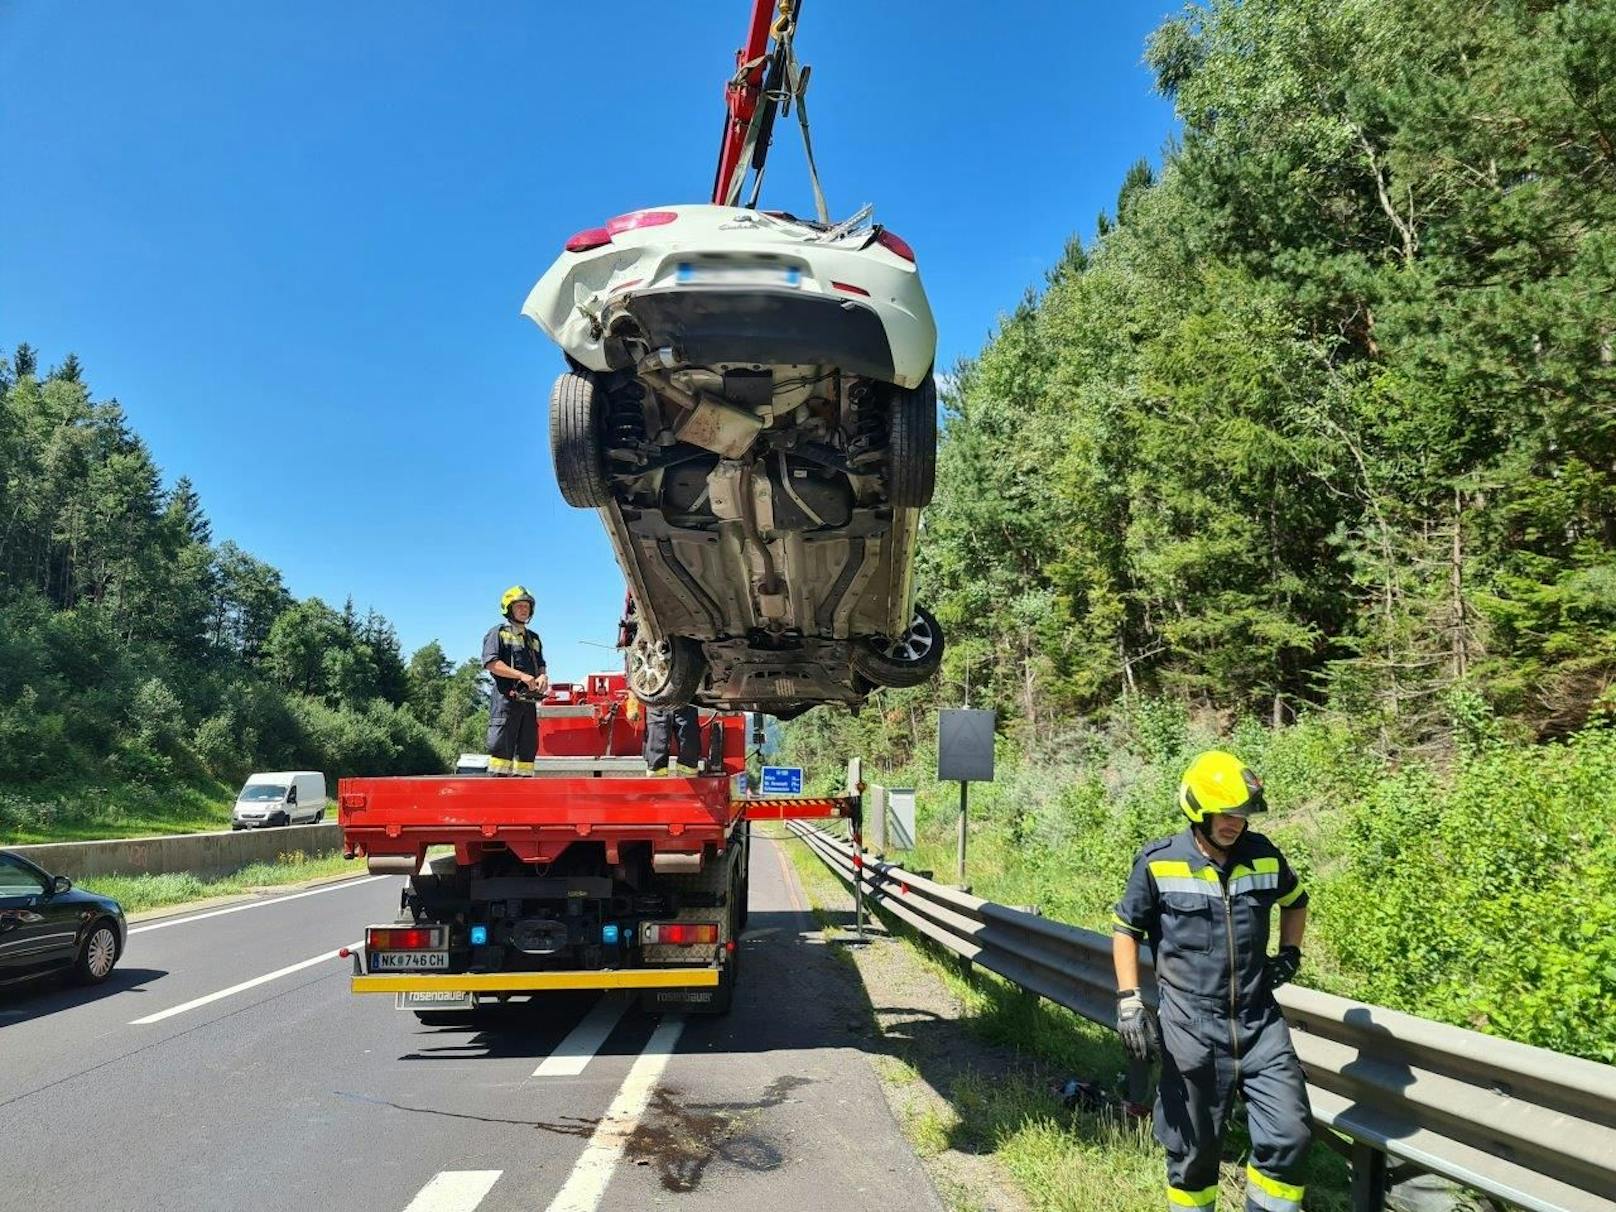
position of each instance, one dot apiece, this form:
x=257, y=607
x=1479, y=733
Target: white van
x=287, y=797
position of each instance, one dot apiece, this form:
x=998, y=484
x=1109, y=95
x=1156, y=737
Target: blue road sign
x=782, y=780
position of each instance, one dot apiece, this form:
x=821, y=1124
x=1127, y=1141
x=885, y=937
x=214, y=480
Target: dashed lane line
x=454, y=1191
x=583, y=1041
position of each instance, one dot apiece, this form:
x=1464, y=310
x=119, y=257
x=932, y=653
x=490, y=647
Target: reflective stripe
x=524, y=767
x=1193, y=887
x=1178, y=867
x=1204, y=1198
x=498, y=763
x=1118, y=924
x=1253, y=883
x=1262, y=866
x=1270, y=1194
x=1289, y=899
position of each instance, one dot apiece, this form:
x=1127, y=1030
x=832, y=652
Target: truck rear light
x=895, y=244
x=589, y=238
x=680, y=934
x=406, y=938
x=639, y=218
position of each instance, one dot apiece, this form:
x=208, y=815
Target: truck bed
x=395, y=820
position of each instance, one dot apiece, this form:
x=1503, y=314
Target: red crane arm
x=742, y=94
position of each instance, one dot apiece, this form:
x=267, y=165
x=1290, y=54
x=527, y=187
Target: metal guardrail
x=1530, y=1126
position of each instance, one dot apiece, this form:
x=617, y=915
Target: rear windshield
x=254, y=793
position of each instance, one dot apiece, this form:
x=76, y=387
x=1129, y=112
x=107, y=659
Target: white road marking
x=241, y=988
x=586, y=1185
x=454, y=1191
x=273, y=900
x=580, y=1046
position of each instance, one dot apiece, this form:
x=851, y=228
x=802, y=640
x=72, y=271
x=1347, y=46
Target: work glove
x=1137, y=1025
x=1281, y=968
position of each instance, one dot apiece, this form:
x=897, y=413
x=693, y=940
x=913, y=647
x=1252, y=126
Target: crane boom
x=759, y=72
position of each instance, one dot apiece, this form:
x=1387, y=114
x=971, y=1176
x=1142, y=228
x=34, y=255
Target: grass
x=1062, y=1160
x=85, y=813
x=138, y=892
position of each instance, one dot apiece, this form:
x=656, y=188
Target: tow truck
x=590, y=874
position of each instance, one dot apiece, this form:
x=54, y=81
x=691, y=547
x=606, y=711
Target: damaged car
x=750, y=404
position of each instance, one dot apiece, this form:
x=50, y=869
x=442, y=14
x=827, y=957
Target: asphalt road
x=226, y=1065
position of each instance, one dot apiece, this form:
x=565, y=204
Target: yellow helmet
x=1219, y=782
x=513, y=595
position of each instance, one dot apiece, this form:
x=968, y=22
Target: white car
x=751, y=406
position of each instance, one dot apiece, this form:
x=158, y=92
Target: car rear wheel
x=910, y=659
x=912, y=446
x=577, y=406
x=97, y=954
x=663, y=673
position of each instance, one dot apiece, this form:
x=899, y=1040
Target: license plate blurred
x=437, y=1000
x=738, y=274
x=409, y=961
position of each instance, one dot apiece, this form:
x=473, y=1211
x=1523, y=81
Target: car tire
x=663, y=673
x=912, y=446
x=98, y=953
x=318, y=817
x=909, y=660
x=577, y=406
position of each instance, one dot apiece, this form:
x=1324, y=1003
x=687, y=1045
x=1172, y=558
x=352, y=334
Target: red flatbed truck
x=589, y=875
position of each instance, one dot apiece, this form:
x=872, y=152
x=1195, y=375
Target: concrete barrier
x=198, y=853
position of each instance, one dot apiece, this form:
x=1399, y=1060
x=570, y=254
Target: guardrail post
x=1368, y=1178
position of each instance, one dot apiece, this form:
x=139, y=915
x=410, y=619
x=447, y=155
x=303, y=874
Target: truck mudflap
x=691, y=978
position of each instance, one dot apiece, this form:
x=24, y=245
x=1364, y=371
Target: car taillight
x=895, y=244
x=591, y=237
x=851, y=289
x=639, y=218
x=679, y=934
x=400, y=938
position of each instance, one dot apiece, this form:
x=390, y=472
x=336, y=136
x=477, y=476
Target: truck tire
x=664, y=673
x=911, y=659
x=912, y=446
x=577, y=408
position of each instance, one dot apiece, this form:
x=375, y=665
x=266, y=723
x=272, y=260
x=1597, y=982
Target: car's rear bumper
x=716, y=324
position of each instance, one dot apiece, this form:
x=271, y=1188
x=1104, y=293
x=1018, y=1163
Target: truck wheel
x=912, y=658
x=577, y=409
x=664, y=673
x=912, y=446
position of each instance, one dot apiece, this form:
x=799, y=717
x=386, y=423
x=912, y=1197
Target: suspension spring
x=625, y=418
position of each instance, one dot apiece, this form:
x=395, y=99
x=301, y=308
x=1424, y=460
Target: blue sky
x=293, y=238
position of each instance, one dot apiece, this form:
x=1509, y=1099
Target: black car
x=46, y=925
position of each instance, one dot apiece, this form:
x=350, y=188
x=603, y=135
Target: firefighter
x=1203, y=898
x=515, y=658
x=666, y=727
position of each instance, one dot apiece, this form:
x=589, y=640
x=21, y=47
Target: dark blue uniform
x=1222, y=1032
x=513, y=727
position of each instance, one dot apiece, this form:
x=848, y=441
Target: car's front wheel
x=97, y=954
x=666, y=672
x=906, y=660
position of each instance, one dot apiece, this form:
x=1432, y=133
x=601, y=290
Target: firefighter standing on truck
x=1202, y=899
x=515, y=658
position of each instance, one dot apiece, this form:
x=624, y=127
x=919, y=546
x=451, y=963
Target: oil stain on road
x=682, y=1141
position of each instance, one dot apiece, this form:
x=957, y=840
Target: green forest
x=145, y=668
x=1311, y=452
